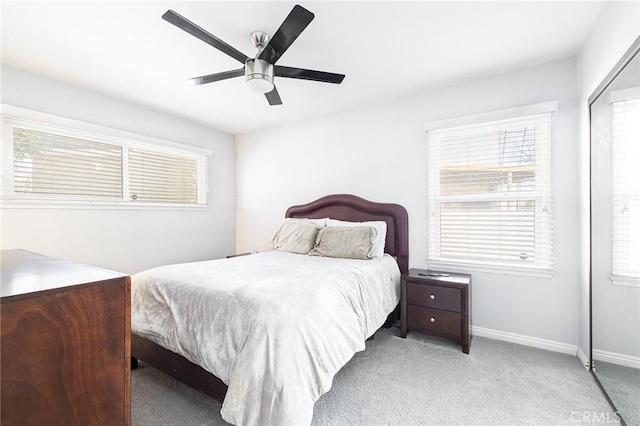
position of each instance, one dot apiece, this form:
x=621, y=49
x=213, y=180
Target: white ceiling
x=386, y=49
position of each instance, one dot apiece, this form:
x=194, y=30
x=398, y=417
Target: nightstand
x=436, y=305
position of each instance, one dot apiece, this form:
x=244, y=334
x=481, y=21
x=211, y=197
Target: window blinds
x=625, y=143
x=48, y=164
x=162, y=177
x=489, y=194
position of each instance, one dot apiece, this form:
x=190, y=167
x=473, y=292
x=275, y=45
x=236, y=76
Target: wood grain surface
x=64, y=355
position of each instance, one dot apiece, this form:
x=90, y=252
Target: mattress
x=275, y=327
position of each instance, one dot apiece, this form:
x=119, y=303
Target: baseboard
x=584, y=359
x=616, y=358
x=520, y=339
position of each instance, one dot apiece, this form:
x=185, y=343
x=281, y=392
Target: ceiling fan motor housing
x=258, y=69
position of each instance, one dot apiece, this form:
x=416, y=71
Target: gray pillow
x=346, y=241
x=295, y=236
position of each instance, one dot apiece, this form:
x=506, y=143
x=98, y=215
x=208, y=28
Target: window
x=489, y=193
x=46, y=163
x=625, y=145
x=167, y=178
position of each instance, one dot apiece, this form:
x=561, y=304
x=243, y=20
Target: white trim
x=468, y=266
x=616, y=358
x=503, y=114
x=21, y=114
x=549, y=345
x=584, y=359
x=21, y=203
x=625, y=281
x=622, y=172
x=15, y=116
x=461, y=257
x=623, y=95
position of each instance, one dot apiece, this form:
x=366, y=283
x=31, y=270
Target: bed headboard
x=355, y=209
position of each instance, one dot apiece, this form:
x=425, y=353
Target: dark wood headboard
x=355, y=209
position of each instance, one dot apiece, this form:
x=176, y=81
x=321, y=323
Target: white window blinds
x=45, y=163
x=161, y=177
x=489, y=194
x=625, y=145
x=48, y=164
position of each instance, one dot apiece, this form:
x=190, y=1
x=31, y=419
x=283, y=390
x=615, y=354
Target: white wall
x=379, y=153
x=123, y=240
x=618, y=25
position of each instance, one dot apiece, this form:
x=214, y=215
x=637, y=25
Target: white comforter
x=275, y=326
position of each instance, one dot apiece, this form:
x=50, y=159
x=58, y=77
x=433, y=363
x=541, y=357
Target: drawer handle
x=433, y=319
x=432, y=297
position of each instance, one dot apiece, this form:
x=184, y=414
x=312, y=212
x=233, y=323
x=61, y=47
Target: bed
x=269, y=355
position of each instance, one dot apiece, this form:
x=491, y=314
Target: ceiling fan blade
x=293, y=25
x=273, y=97
x=303, y=74
x=210, y=78
x=188, y=26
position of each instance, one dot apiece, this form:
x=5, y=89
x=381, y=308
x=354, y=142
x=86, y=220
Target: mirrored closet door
x=615, y=236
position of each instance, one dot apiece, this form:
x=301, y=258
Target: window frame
x=542, y=166
x=14, y=116
x=619, y=171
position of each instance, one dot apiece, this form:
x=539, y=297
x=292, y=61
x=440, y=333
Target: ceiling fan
x=259, y=71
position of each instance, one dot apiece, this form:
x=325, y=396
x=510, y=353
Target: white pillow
x=322, y=223
x=381, y=236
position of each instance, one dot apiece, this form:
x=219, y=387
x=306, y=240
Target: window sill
x=12, y=203
x=471, y=267
x=625, y=282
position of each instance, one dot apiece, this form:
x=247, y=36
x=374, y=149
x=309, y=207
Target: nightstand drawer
x=434, y=321
x=432, y=296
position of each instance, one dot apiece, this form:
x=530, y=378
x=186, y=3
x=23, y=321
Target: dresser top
x=23, y=272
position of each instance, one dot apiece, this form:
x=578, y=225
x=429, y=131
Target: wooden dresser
x=437, y=305
x=65, y=342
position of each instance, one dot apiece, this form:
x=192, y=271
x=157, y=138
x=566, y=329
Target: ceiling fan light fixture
x=259, y=75
x=260, y=85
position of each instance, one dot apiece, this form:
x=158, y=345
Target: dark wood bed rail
x=177, y=367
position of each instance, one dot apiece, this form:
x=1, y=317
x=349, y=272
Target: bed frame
x=342, y=207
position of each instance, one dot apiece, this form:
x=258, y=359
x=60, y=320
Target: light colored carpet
x=420, y=380
x=623, y=387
